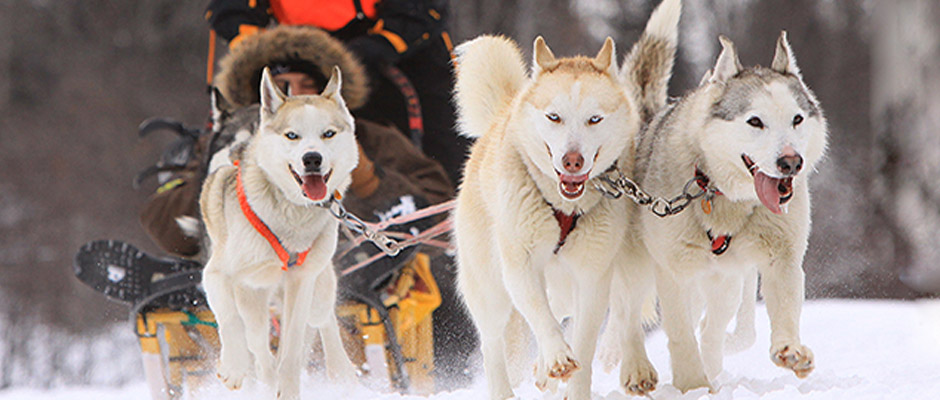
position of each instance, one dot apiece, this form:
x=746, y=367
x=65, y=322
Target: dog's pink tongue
x=314, y=187
x=767, y=192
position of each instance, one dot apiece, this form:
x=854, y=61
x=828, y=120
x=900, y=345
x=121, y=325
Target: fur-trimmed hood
x=240, y=70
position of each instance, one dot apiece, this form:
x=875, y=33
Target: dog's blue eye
x=756, y=122
x=291, y=136
x=553, y=117
x=329, y=133
x=596, y=119
x=797, y=119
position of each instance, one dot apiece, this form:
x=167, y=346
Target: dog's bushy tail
x=648, y=67
x=490, y=71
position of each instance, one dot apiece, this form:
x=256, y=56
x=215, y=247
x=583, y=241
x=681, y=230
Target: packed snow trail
x=864, y=349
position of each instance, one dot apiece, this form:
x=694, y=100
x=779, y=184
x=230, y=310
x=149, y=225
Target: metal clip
x=608, y=187
x=386, y=244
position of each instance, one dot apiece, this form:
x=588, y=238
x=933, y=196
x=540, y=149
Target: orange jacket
x=377, y=30
x=325, y=14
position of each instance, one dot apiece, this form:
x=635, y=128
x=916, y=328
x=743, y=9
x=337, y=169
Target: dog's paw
x=560, y=366
x=287, y=395
x=542, y=381
x=231, y=377
x=264, y=368
x=640, y=379
x=795, y=357
x=687, y=381
x=342, y=372
x=288, y=390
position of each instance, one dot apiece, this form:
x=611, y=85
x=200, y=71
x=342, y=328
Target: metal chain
x=351, y=221
x=614, y=187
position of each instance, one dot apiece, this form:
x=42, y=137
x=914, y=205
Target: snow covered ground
x=864, y=350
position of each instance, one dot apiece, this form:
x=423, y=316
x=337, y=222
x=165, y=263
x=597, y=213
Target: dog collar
x=566, y=222
x=286, y=257
x=702, y=181
x=719, y=244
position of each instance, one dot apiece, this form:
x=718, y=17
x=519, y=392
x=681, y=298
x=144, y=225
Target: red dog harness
x=286, y=257
x=567, y=223
x=719, y=244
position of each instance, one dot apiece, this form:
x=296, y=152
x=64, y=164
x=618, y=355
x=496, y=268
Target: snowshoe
x=126, y=274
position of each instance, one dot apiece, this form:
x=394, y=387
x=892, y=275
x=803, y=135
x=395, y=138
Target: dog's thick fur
x=541, y=139
x=750, y=131
x=284, y=189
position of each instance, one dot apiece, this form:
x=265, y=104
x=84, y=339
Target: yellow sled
x=179, y=348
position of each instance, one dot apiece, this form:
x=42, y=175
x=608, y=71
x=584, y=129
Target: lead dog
x=531, y=241
x=268, y=231
x=749, y=137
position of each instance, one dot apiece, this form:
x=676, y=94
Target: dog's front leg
x=234, y=358
x=722, y=298
x=688, y=371
x=300, y=283
x=592, y=297
x=323, y=317
x=526, y=286
x=253, y=305
x=631, y=288
x=782, y=286
x=298, y=300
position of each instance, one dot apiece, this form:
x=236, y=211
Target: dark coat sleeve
x=402, y=28
x=226, y=16
x=401, y=167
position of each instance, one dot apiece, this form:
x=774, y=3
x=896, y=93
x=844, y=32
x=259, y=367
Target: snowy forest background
x=77, y=77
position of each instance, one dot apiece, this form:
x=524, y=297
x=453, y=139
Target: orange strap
x=262, y=228
x=393, y=38
x=210, y=65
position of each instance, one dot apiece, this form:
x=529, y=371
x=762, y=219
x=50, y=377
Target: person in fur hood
x=390, y=166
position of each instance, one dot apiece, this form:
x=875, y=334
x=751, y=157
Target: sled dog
x=269, y=234
x=748, y=138
x=533, y=242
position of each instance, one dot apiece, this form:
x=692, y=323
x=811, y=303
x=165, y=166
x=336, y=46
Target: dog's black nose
x=312, y=161
x=790, y=164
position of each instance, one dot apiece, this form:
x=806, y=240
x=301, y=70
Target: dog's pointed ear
x=728, y=64
x=271, y=96
x=334, y=86
x=220, y=106
x=543, y=57
x=705, y=78
x=604, y=60
x=784, y=60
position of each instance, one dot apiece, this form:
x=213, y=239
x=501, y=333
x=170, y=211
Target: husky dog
x=531, y=241
x=268, y=231
x=748, y=138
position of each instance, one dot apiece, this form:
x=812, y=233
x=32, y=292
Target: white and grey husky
x=269, y=234
x=749, y=138
x=531, y=241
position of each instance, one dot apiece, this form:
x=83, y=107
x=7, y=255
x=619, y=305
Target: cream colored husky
x=750, y=137
x=532, y=240
x=269, y=234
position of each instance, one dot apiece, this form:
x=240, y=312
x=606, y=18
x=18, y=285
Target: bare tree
x=905, y=112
